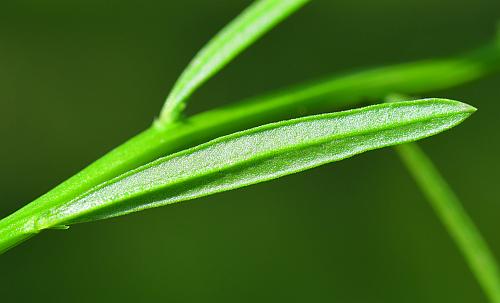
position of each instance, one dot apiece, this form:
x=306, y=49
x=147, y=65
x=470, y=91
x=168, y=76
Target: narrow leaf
x=327, y=95
x=250, y=25
x=258, y=155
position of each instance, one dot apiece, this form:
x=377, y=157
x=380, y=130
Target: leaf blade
x=261, y=154
x=240, y=33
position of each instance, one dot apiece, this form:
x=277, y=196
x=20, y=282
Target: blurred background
x=80, y=77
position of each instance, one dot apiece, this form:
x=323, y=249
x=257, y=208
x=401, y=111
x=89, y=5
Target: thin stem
x=260, y=17
x=454, y=217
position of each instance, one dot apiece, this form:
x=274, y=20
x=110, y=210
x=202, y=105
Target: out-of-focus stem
x=454, y=217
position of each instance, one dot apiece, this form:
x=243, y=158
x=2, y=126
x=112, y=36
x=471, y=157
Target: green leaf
x=260, y=154
x=240, y=33
x=332, y=93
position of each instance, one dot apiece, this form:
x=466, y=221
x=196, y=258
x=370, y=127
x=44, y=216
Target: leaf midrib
x=260, y=157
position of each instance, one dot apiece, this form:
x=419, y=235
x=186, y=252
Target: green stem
x=332, y=93
x=451, y=212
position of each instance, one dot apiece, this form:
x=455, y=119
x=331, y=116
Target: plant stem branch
x=260, y=17
x=454, y=217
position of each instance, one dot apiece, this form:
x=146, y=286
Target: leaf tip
x=467, y=108
x=59, y=227
x=459, y=107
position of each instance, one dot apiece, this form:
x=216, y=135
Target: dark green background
x=79, y=77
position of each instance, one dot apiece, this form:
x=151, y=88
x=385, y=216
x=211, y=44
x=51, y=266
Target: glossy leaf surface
x=260, y=154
